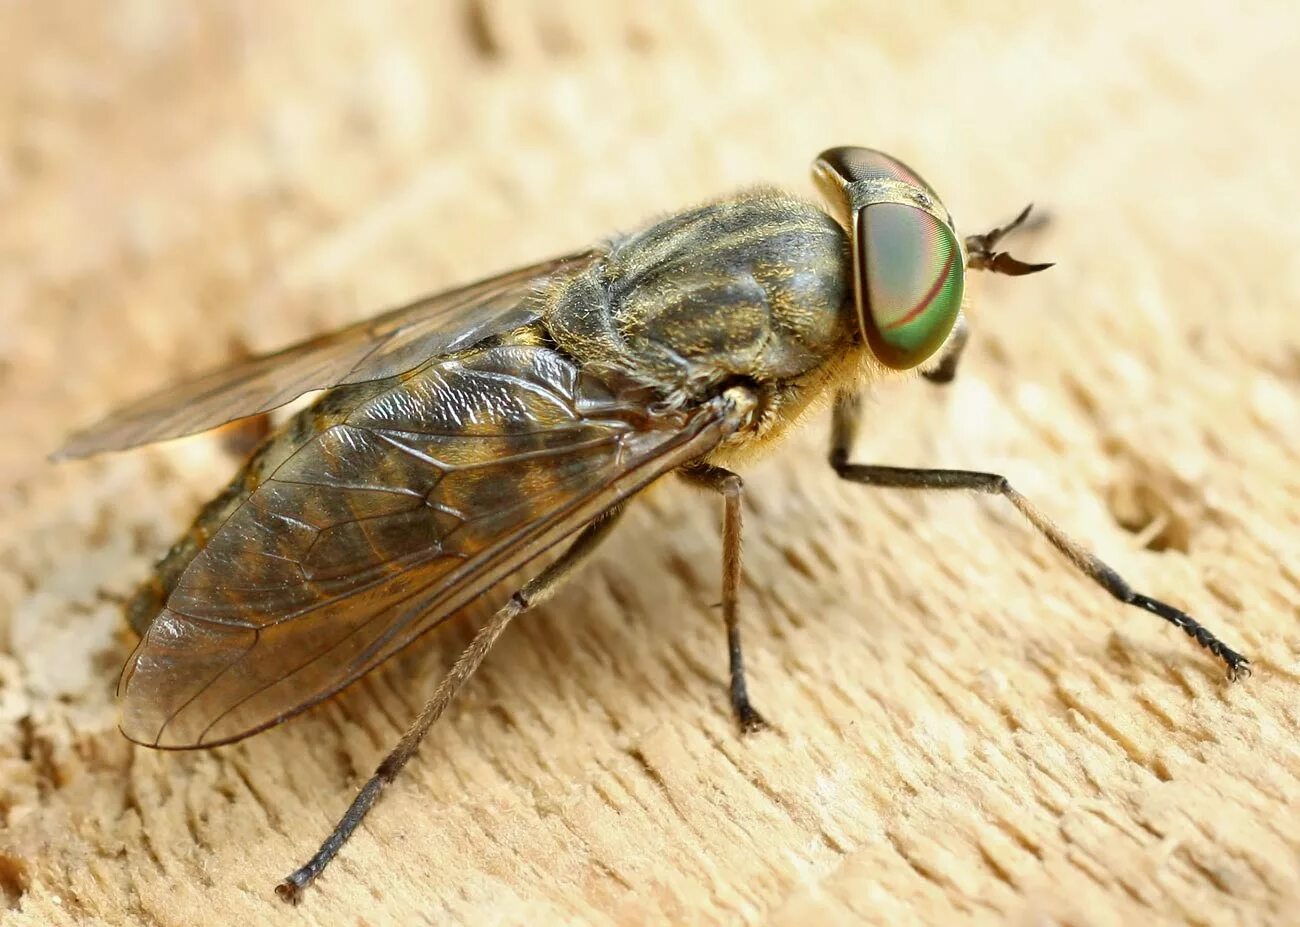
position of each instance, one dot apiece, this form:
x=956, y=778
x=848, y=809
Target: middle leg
x=729, y=485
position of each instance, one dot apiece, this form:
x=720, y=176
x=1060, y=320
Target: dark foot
x=945, y=373
x=289, y=891
x=749, y=719
x=1238, y=666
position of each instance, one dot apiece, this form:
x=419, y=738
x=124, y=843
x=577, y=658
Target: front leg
x=944, y=372
x=729, y=485
x=845, y=428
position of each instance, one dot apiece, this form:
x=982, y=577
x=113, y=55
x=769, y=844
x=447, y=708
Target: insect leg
x=730, y=486
x=242, y=436
x=947, y=366
x=994, y=484
x=533, y=593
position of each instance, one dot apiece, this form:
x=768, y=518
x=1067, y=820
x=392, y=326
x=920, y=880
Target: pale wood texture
x=966, y=731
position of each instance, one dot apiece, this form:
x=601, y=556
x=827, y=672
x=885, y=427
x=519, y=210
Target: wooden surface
x=965, y=731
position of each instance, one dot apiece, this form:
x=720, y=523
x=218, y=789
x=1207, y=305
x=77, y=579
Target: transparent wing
x=381, y=347
x=383, y=524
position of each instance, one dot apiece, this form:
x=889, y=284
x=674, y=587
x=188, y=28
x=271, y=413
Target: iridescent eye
x=910, y=267
x=912, y=276
x=861, y=163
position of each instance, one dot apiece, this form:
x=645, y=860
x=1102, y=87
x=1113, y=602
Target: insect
x=467, y=433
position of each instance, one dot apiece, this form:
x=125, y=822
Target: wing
x=427, y=494
x=384, y=346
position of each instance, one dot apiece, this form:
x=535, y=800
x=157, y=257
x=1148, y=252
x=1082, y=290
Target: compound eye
x=862, y=163
x=911, y=275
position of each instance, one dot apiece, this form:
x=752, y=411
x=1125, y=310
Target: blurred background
x=181, y=184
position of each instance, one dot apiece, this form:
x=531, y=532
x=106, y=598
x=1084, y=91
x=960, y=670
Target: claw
x=1238, y=669
x=751, y=722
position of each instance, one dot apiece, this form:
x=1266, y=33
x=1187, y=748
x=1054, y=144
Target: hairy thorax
x=751, y=289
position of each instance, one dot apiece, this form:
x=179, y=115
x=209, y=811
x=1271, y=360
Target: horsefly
x=469, y=432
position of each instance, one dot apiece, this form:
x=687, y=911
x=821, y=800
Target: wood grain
x=965, y=731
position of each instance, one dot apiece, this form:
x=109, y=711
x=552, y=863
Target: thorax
x=752, y=287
